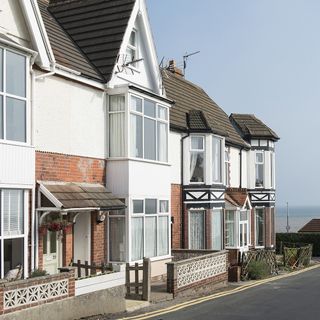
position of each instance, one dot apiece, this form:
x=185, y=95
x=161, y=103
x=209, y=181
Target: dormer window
x=132, y=50
x=197, y=159
x=259, y=169
x=13, y=111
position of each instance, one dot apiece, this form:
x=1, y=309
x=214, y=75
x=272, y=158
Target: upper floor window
x=13, y=112
x=132, y=49
x=216, y=159
x=227, y=166
x=259, y=165
x=197, y=159
x=272, y=164
x=148, y=130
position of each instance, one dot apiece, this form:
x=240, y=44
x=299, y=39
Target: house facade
x=126, y=160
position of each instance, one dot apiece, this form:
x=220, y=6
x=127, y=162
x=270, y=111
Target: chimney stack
x=174, y=69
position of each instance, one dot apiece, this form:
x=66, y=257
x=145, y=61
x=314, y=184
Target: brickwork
x=176, y=236
x=268, y=228
x=252, y=227
x=67, y=247
x=97, y=239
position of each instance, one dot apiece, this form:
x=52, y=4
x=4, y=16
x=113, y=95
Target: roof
x=312, y=226
x=194, y=110
x=65, y=51
x=97, y=28
x=70, y=195
x=250, y=127
x=237, y=197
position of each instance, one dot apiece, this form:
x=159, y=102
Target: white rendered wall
x=118, y=177
x=12, y=22
x=234, y=168
x=70, y=118
x=251, y=169
x=244, y=169
x=175, y=156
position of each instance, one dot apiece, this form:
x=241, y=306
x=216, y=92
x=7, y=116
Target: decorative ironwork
x=197, y=269
x=34, y=294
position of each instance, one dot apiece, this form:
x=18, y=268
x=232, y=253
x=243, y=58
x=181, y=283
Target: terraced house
x=106, y=158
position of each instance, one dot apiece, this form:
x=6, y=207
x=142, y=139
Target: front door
x=81, y=240
x=51, y=251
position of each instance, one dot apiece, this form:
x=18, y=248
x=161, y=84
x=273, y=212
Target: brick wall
x=62, y=167
x=268, y=228
x=176, y=194
x=97, y=239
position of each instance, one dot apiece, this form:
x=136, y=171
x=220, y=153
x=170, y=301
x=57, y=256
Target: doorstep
x=134, y=305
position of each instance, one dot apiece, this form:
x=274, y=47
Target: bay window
x=230, y=228
x=197, y=159
x=259, y=226
x=196, y=229
x=244, y=228
x=216, y=159
x=227, y=167
x=13, y=233
x=216, y=229
x=148, y=130
x=272, y=174
x=13, y=113
x=259, y=167
x=149, y=228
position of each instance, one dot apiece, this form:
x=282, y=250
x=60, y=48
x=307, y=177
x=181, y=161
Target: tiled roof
x=82, y=195
x=97, y=27
x=64, y=49
x=312, y=226
x=251, y=127
x=236, y=197
x=192, y=102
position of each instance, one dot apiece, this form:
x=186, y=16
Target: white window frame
x=156, y=119
x=204, y=226
x=135, y=48
x=23, y=236
x=221, y=140
x=272, y=170
x=242, y=224
x=220, y=211
x=203, y=150
x=144, y=215
x=227, y=167
x=5, y=95
x=255, y=168
x=255, y=227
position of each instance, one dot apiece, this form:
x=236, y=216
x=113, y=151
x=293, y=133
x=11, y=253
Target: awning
x=71, y=196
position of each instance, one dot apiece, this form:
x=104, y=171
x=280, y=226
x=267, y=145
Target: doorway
x=82, y=236
x=51, y=252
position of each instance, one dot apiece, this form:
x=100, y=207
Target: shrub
x=38, y=273
x=258, y=270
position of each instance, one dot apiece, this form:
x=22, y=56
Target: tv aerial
x=185, y=59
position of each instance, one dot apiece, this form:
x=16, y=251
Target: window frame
x=263, y=169
x=227, y=165
x=135, y=48
x=4, y=95
x=203, y=211
x=203, y=151
x=256, y=245
x=145, y=215
x=221, y=160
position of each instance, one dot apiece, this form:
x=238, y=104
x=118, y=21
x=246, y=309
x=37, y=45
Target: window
x=196, y=229
x=149, y=228
x=227, y=167
x=272, y=173
x=197, y=159
x=244, y=228
x=12, y=236
x=216, y=159
x=259, y=169
x=117, y=236
x=230, y=228
x=132, y=50
x=148, y=130
x=216, y=229
x=117, y=126
x=259, y=213
x=13, y=100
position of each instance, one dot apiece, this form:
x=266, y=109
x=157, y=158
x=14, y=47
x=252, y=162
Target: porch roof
x=237, y=197
x=72, y=196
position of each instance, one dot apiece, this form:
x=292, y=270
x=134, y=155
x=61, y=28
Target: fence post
x=79, y=268
x=128, y=279
x=146, y=285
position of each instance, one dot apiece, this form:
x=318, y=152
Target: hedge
x=303, y=238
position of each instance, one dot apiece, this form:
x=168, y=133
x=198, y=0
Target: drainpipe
x=182, y=224
x=240, y=171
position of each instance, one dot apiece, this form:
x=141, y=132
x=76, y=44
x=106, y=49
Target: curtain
x=259, y=227
x=163, y=236
x=117, y=239
x=149, y=139
x=162, y=142
x=164, y=206
x=216, y=230
x=193, y=163
x=196, y=235
x=13, y=212
x=151, y=236
x=230, y=223
x=136, y=136
x=162, y=113
x=137, y=239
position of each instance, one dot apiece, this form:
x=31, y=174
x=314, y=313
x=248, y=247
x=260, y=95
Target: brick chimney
x=174, y=69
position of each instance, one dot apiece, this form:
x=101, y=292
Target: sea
x=298, y=217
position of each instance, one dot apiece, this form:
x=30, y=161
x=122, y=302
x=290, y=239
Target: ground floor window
x=13, y=232
x=259, y=226
x=244, y=228
x=230, y=228
x=196, y=229
x=216, y=229
x=149, y=223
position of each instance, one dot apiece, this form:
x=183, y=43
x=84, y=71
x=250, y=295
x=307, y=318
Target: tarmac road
x=293, y=298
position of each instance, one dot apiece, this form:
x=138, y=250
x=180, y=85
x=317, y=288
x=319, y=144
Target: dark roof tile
x=312, y=226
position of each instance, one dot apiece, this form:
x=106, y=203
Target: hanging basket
x=57, y=225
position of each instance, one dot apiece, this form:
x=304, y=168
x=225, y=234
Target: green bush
x=303, y=238
x=258, y=270
x=38, y=273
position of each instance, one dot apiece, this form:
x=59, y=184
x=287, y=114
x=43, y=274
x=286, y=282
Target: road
x=296, y=297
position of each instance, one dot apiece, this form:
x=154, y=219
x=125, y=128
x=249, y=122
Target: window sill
x=16, y=143
x=153, y=259
x=139, y=160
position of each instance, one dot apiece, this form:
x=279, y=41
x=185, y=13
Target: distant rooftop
x=312, y=226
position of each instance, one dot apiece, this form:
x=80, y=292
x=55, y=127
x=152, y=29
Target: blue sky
x=260, y=57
